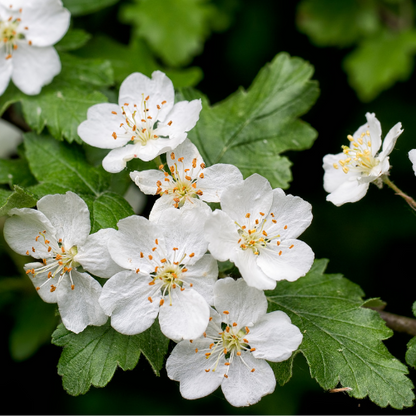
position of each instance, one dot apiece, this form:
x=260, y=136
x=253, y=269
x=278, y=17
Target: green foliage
x=381, y=61
x=250, y=129
x=91, y=357
x=341, y=340
x=411, y=346
x=18, y=198
x=337, y=23
x=135, y=57
x=63, y=104
x=16, y=171
x=157, y=22
x=74, y=39
x=81, y=7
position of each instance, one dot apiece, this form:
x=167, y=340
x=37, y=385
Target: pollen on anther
x=205, y=334
x=150, y=257
x=234, y=323
x=253, y=370
x=285, y=227
x=150, y=299
x=239, y=353
x=291, y=246
x=72, y=287
x=162, y=301
x=114, y=135
x=247, y=215
x=226, y=312
x=196, y=349
x=170, y=123
x=137, y=270
x=192, y=255
x=280, y=252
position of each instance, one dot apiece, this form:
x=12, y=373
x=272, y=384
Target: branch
x=398, y=323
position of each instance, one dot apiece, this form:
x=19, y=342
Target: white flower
x=412, y=157
x=257, y=230
x=349, y=174
x=232, y=352
x=27, y=35
x=169, y=274
x=189, y=182
x=145, y=124
x=58, y=234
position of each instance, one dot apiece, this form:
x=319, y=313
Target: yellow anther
x=345, y=169
x=335, y=166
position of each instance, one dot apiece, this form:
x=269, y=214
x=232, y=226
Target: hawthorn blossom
x=58, y=234
x=168, y=275
x=145, y=123
x=257, y=228
x=188, y=182
x=232, y=353
x=349, y=174
x=412, y=157
x=27, y=34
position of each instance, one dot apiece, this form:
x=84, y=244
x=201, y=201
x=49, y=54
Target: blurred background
x=363, y=54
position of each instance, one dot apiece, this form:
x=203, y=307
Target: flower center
x=140, y=127
x=10, y=34
x=359, y=158
x=58, y=265
x=181, y=184
x=229, y=344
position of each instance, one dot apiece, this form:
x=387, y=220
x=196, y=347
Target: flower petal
x=188, y=367
x=146, y=180
x=191, y=156
x=274, y=337
x=34, y=67
x=79, y=306
x=69, y=215
x=103, y=120
x=137, y=87
x=390, y=140
x=6, y=69
x=117, y=159
x=349, y=191
x=285, y=263
x=94, y=257
x=22, y=230
x=184, y=314
x=125, y=297
x=412, y=157
x=38, y=281
x=374, y=128
x=334, y=178
x=244, y=387
x=246, y=305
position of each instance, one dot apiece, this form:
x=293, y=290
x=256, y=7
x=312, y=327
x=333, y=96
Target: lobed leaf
x=82, y=7
x=250, y=129
x=411, y=346
x=91, y=357
x=18, y=198
x=341, y=340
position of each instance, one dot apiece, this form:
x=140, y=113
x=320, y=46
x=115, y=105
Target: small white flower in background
x=232, y=353
x=349, y=174
x=169, y=275
x=145, y=124
x=412, y=157
x=27, y=34
x=257, y=228
x=188, y=182
x=58, y=233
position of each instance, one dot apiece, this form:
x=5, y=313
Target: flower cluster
x=160, y=267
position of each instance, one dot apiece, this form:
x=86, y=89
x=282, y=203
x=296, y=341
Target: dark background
x=371, y=242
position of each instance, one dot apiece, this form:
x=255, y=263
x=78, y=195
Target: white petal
x=334, y=178
x=137, y=87
x=222, y=236
x=94, y=257
x=284, y=263
x=22, y=229
x=185, y=315
x=146, y=180
x=374, y=127
x=216, y=179
x=34, y=67
x=412, y=157
x=203, y=275
x=188, y=151
x=291, y=213
x=6, y=69
x=125, y=297
x=79, y=307
x=100, y=126
x=38, y=281
x=349, y=191
x=117, y=159
x=47, y=22
x=246, y=305
x=244, y=387
x=274, y=337
x=253, y=195
x=188, y=367
x=246, y=261
x=390, y=140
x=69, y=215
x=183, y=116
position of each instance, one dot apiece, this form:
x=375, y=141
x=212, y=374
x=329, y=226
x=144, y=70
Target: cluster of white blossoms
x=28, y=29
x=167, y=266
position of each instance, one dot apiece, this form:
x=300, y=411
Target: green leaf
x=175, y=30
x=250, y=129
x=73, y=39
x=16, y=172
x=91, y=357
x=341, y=340
x=337, y=23
x=381, y=61
x=411, y=346
x=18, y=198
x=81, y=7
x=135, y=57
